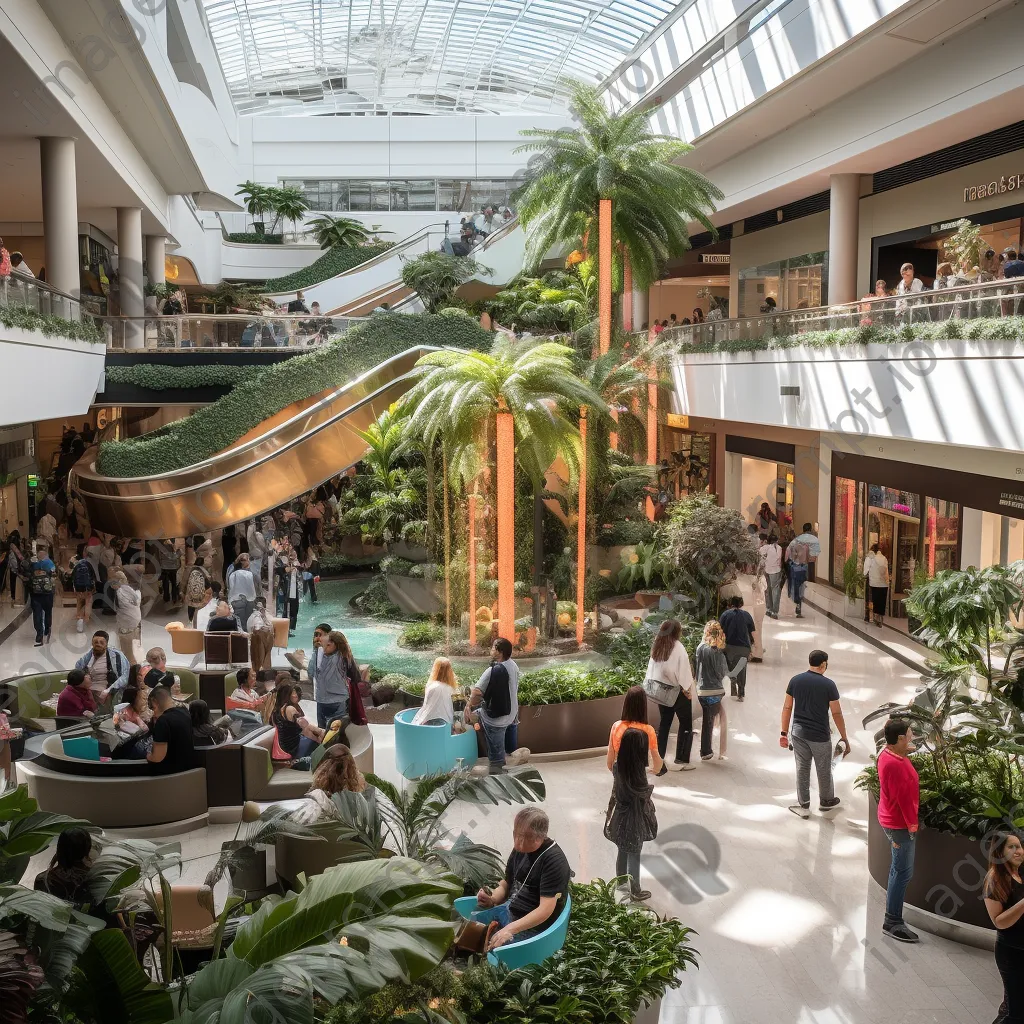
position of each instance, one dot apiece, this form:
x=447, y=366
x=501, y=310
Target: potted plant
x=257, y=200
x=853, y=584
x=967, y=724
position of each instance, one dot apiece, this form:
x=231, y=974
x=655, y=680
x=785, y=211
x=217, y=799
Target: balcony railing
x=20, y=290
x=1001, y=298
x=225, y=331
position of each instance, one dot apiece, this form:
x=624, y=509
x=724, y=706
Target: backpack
x=41, y=580
x=195, y=586
x=498, y=695
x=83, y=575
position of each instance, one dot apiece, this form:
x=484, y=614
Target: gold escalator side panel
x=290, y=453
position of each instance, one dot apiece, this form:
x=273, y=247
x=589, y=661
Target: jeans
x=820, y=752
x=42, y=614
x=707, y=724
x=503, y=916
x=683, y=710
x=326, y=713
x=627, y=862
x=293, y=612
x=797, y=582
x=243, y=608
x=901, y=871
x=774, y=594
x=306, y=747
x=1010, y=962
x=501, y=740
x=256, y=568
x=733, y=653
x=169, y=583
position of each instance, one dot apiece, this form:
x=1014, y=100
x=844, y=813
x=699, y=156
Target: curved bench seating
x=534, y=950
x=430, y=749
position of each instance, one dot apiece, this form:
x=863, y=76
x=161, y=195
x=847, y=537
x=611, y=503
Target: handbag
x=665, y=694
x=608, y=817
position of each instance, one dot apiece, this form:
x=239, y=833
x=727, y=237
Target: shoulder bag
x=665, y=694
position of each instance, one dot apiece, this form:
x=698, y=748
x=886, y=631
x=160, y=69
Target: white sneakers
x=81, y=626
x=519, y=756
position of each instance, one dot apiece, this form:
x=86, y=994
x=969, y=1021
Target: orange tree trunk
x=604, y=279
x=506, y=499
x=581, y=530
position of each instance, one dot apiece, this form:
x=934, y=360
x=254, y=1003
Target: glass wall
x=445, y=195
x=799, y=282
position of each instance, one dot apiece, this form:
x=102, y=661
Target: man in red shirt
x=76, y=699
x=898, y=798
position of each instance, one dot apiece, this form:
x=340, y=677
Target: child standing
x=631, y=820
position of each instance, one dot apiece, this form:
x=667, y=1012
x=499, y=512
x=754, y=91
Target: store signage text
x=1010, y=500
x=712, y=257
x=993, y=188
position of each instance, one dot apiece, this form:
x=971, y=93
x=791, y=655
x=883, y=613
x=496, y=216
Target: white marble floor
x=786, y=918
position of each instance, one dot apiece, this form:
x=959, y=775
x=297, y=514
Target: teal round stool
x=430, y=749
x=534, y=950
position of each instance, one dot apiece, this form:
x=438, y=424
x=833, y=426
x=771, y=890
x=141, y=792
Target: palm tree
x=528, y=389
x=437, y=276
x=612, y=166
x=257, y=200
x=343, y=232
x=289, y=203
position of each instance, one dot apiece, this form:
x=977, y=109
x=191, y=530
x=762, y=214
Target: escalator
x=295, y=450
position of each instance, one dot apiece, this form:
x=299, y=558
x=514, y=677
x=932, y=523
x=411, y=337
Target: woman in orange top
x=634, y=716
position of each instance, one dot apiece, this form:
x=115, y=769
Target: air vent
x=791, y=211
x=963, y=154
x=705, y=238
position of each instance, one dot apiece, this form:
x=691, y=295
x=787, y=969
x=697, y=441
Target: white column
x=843, y=222
x=155, y=250
x=129, y=272
x=60, y=212
x=641, y=308
x=971, y=535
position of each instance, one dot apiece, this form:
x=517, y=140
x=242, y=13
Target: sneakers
x=801, y=810
x=664, y=771
x=81, y=626
x=687, y=767
x=38, y=643
x=521, y=755
x=706, y=757
x=740, y=699
x=829, y=805
x=681, y=766
x=900, y=932
x=639, y=895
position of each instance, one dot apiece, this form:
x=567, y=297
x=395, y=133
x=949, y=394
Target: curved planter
x=949, y=874
x=549, y=728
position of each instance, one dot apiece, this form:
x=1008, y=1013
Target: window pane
x=368, y=195
x=454, y=195
x=413, y=195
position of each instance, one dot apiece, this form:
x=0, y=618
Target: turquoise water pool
x=371, y=640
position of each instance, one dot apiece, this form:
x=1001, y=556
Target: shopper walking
x=197, y=588
x=876, y=570
x=810, y=696
x=899, y=793
x=712, y=675
x=799, y=554
x=495, y=699
x=242, y=590
x=83, y=582
x=261, y=636
x=634, y=716
x=669, y=665
x=41, y=575
x=259, y=546
x=128, y=601
x=738, y=626
x=169, y=558
x=770, y=555
x=631, y=820
x=1004, y=901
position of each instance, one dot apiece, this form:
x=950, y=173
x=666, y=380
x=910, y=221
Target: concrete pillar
x=129, y=272
x=971, y=531
x=60, y=213
x=641, y=308
x=155, y=252
x=843, y=222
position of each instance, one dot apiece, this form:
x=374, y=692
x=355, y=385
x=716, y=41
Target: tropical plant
x=853, y=578
x=616, y=157
x=257, y=200
x=337, y=260
x=964, y=247
x=410, y=821
x=622, y=383
x=703, y=545
x=436, y=276
x=351, y=930
x=421, y=635
x=344, y=232
x=231, y=296
x=288, y=202
x=643, y=564
x=558, y=301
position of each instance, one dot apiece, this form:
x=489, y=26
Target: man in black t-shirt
x=739, y=629
x=810, y=697
x=536, y=883
x=171, y=728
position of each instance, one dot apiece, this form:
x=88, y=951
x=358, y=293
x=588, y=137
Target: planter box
x=415, y=596
x=410, y=552
x=547, y=728
x=649, y=1014
x=949, y=872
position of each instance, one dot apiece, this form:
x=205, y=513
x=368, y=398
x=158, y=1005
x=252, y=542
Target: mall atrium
x=512, y=511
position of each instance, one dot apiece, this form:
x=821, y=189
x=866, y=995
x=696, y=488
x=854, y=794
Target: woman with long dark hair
x=1004, y=901
x=670, y=664
x=295, y=734
x=634, y=716
x=204, y=732
x=631, y=820
x=68, y=873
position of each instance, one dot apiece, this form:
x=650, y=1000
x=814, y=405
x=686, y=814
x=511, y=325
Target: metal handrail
x=958, y=301
x=21, y=290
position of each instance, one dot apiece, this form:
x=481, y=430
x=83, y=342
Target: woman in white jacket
x=876, y=569
x=671, y=664
x=442, y=687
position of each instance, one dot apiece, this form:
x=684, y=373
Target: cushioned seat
x=534, y=950
x=295, y=855
x=186, y=641
x=430, y=749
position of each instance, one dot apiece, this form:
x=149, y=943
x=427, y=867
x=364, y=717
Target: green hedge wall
x=251, y=238
x=333, y=262
x=995, y=328
x=162, y=377
x=219, y=425
x=51, y=326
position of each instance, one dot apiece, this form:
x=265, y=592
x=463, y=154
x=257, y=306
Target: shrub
x=374, y=600
x=251, y=238
x=628, y=531
x=383, y=691
x=333, y=262
x=161, y=377
x=573, y=682
x=219, y=425
x=50, y=326
x=421, y=635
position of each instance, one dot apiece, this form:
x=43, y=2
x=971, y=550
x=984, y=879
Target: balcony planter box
x=949, y=872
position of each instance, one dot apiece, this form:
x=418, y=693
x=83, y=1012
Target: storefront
x=924, y=520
